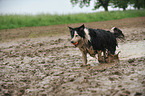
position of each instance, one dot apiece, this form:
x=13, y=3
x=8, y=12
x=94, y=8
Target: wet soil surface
x=51, y=66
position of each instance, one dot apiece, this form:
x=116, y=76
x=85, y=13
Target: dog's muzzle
x=74, y=43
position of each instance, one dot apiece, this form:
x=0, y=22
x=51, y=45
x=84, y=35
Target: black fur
x=102, y=40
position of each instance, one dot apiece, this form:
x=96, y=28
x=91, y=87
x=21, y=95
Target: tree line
x=137, y=4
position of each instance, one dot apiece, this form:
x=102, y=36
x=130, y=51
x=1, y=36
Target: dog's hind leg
x=105, y=55
x=113, y=58
x=100, y=58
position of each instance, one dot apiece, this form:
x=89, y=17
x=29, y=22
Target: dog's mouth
x=75, y=43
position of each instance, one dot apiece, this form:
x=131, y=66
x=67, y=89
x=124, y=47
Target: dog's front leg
x=100, y=59
x=84, y=57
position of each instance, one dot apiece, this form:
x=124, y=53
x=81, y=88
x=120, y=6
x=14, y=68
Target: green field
x=17, y=21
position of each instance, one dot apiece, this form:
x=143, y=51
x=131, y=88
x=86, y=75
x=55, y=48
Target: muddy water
x=132, y=50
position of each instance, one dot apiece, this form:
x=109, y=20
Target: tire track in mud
x=52, y=67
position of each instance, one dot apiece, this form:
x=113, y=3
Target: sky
x=34, y=7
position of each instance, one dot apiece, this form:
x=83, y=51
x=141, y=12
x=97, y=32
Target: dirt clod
x=131, y=60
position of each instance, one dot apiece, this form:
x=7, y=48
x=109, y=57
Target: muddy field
x=51, y=66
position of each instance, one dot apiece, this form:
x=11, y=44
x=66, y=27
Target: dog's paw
x=85, y=65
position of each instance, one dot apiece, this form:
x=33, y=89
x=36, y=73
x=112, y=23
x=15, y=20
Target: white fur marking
x=87, y=34
x=112, y=30
x=75, y=33
x=76, y=37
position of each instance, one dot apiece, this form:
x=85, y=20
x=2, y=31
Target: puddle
x=131, y=50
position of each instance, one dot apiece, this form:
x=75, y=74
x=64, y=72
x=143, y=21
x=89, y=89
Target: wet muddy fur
x=112, y=58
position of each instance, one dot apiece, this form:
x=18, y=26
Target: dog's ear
x=82, y=27
x=70, y=28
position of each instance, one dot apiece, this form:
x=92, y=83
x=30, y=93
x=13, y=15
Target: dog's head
x=77, y=34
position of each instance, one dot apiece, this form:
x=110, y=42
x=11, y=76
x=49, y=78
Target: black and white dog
x=93, y=41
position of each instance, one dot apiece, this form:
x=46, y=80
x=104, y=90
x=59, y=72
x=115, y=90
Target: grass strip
x=17, y=21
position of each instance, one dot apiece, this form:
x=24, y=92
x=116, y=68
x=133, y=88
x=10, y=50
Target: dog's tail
x=117, y=33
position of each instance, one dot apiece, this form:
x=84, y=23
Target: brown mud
x=50, y=65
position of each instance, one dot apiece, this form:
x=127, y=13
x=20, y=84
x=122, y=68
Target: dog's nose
x=72, y=41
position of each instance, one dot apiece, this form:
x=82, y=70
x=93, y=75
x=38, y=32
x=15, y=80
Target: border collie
x=93, y=41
